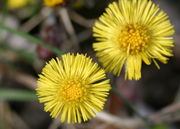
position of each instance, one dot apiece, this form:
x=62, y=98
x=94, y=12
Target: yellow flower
x=74, y=88
x=52, y=3
x=13, y=4
x=131, y=32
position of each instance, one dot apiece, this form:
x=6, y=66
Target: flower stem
x=128, y=103
x=131, y=107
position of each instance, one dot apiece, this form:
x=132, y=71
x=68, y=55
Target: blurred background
x=31, y=34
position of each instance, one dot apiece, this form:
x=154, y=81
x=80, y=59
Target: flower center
x=134, y=39
x=73, y=90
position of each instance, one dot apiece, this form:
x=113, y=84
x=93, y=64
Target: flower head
x=74, y=88
x=12, y=4
x=131, y=32
x=53, y=3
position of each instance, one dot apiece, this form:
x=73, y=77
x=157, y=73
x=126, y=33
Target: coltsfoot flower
x=53, y=3
x=131, y=32
x=73, y=88
x=13, y=4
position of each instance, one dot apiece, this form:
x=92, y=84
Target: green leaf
x=31, y=38
x=17, y=95
x=160, y=126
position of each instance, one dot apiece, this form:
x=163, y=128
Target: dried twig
x=18, y=122
x=11, y=119
x=168, y=114
x=54, y=124
x=34, y=21
x=69, y=126
x=125, y=123
x=26, y=80
x=69, y=27
x=81, y=20
x=23, y=78
x=84, y=35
